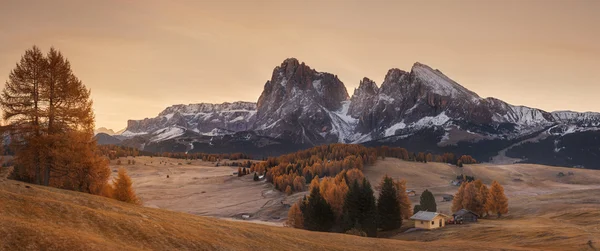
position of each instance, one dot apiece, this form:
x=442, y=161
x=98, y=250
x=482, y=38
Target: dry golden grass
x=42, y=218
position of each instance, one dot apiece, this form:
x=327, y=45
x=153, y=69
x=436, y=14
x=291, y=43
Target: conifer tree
x=472, y=199
x=388, y=206
x=405, y=205
x=317, y=213
x=417, y=208
x=45, y=105
x=295, y=218
x=457, y=202
x=123, y=190
x=427, y=202
x=360, y=209
x=497, y=203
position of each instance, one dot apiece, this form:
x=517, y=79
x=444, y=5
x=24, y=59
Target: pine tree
x=417, y=208
x=427, y=202
x=317, y=213
x=360, y=209
x=288, y=190
x=497, y=203
x=255, y=177
x=239, y=172
x=123, y=190
x=388, y=206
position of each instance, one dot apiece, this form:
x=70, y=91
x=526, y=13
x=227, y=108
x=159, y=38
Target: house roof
x=463, y=212
x=426, y=216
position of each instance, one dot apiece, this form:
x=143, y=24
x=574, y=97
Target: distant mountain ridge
x=421, y=109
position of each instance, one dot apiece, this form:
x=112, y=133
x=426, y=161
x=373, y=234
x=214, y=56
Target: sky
x=138, y=57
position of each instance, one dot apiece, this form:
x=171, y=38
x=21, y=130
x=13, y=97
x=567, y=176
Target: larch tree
x=23, y=113
x=295, y=218
x=50, y=116
x=405, y=205
x=484, y=194
x=123, y=190
x=427, y=202
x=334, y=191
x=472, y=199
x=497, y=202
x=457, y=202
x=388, y=206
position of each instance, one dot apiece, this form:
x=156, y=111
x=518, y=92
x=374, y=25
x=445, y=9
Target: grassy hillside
x=546, y=212
x=34, y=218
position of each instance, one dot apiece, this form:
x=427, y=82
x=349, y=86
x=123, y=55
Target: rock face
x=421, y=109
x=297, y=103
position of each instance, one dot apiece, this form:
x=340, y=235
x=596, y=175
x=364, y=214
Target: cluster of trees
x=476, y=197
x=402, y=153
x=115, y=151
x=295, y=169
x=243, y=171
x=129, y=162
x=212, y=157
x=50, y=122
x=246, y=164
x=347, y=204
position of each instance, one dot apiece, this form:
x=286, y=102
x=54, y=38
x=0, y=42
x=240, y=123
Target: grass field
x=547, y=212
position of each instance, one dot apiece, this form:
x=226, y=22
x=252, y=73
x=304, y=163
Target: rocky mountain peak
x=363, y=97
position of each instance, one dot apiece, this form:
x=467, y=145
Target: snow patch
x=167, y=133
x=392, y=129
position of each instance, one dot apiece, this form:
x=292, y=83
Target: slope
x=35, y=218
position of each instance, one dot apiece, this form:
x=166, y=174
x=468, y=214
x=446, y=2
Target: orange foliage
x=123, y=190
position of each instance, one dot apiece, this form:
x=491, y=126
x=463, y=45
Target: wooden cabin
x=411, y=193
x=465, y=215
x=429, y=220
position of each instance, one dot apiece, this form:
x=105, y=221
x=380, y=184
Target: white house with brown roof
x=429, y=220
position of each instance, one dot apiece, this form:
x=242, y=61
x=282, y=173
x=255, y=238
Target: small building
x=465, y=215
x=411, y=193
x=429, y=220
x=447, y=197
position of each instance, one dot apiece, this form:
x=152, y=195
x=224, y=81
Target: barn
x=429, y=220
x=465, y=215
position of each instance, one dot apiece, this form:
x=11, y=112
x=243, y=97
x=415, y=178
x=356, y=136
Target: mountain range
x=421, y=110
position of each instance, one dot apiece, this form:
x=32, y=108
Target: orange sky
x=140, y=56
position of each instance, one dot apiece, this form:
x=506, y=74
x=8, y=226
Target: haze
x=139, y=57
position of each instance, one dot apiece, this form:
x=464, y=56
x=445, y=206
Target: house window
x=432, y=222
x=421, y=222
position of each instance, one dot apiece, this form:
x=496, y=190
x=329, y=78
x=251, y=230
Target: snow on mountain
x=200, y=118
x=440, y=83
x=301, y=106
x=167, y=133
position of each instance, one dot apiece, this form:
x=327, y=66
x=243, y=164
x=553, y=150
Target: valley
x=546, y=212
